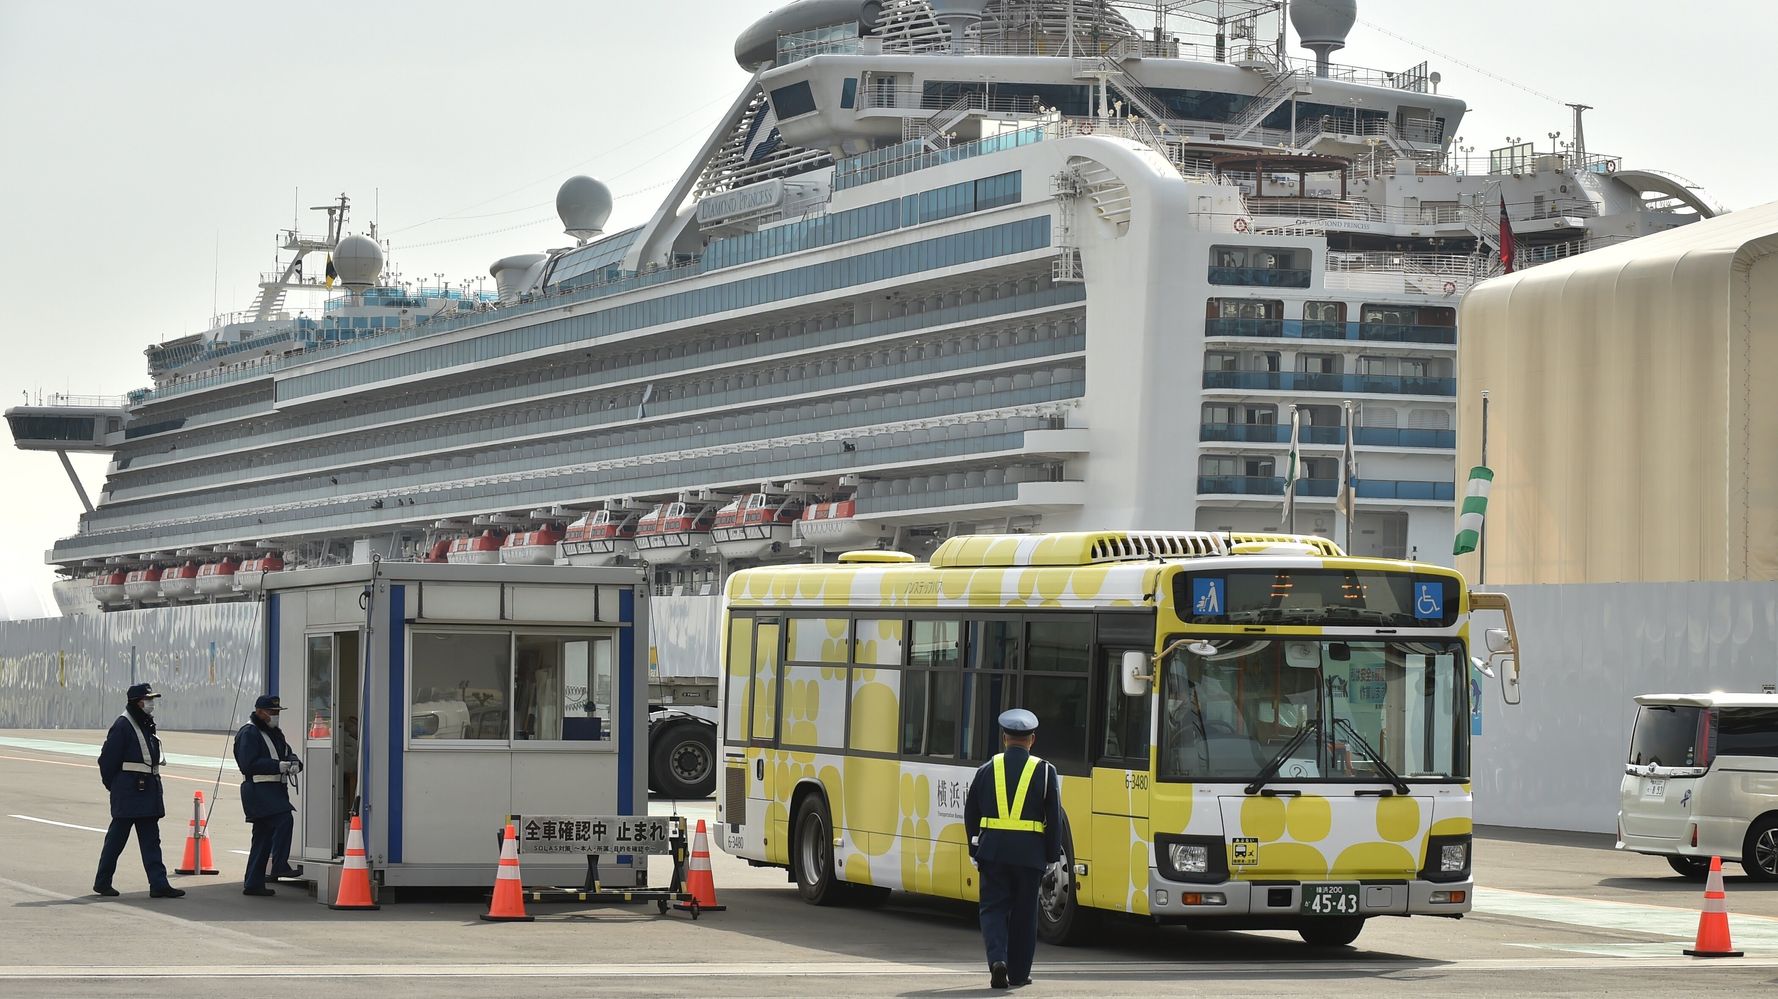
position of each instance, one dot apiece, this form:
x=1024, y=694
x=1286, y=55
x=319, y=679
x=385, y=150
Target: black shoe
x=293, y=874
x=167, y=892
x=1021, y=983
x=997, y=974
x=258, y=892
x=105, y=890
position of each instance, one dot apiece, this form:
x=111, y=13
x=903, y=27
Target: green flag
x=1475, y=507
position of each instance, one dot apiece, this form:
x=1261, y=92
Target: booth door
x=330, y=760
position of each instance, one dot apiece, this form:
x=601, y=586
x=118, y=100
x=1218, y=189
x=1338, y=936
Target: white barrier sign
x=606, y=835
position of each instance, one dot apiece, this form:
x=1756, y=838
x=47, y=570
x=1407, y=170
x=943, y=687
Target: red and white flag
x=1509, y=250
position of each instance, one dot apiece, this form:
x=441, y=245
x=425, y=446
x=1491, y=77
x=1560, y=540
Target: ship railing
x=60, y=399
x=913, y=98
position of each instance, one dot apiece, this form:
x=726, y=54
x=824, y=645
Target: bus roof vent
x=988, y=551
x=1249, y=543
x=873, y=556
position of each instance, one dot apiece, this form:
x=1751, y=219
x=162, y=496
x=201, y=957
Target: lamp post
x=1553, y=137
x=441, y=283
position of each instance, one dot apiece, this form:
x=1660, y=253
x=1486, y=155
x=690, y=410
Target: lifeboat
x=482, y=549
x=143, y=584
x=835, y=527
x=756, y=525
x=439, y=552
x=532, y=547
x=251, y=574
x=216, y=578
x=180, y=582
x=673, y=532
x=108, y=589
x=599, y=538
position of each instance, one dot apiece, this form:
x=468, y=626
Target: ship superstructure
x=945, y=266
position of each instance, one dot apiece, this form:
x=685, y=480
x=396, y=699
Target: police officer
x=269, y=768
x=129, y=767
x=1014, y=821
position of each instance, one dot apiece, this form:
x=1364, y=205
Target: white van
x=1702, y=782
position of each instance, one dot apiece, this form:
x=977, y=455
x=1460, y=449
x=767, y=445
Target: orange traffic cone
x=198, y=859
x=508, y=905
x=698, y=878
x=318, y=728
x=354, y=891
x=1713, y=922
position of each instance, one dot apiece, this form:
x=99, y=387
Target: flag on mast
x=1293, y=465
x=332, y=275
x=1509, y=247
x=1475, y=509
x=1348, y=496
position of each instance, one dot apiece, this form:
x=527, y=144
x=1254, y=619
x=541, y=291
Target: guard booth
x=437, y=699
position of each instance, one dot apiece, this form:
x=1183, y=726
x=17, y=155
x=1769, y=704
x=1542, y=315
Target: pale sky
x=152, y=151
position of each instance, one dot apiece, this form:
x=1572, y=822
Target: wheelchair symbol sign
x=1429, y=601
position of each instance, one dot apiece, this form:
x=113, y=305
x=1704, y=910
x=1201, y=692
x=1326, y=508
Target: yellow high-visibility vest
x=1009, y=816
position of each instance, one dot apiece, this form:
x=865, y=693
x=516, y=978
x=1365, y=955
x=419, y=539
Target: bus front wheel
x=811, y=853
x=1331, y=932
x=1061, y=919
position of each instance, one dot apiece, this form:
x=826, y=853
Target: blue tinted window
x=849, y=93
x=792, y=101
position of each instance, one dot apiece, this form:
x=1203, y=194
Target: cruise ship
x=945, y=266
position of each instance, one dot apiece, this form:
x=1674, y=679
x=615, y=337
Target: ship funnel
x=513, y=276
x=958, y=16
x=358, y=260
x=584, y=206
x=1323, y=26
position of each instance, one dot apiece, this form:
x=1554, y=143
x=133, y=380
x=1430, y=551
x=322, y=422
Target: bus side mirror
x=1508, y=668
x=1135, y=674
x=1499, y=641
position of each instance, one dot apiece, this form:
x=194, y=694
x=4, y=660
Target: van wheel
x=1331, y=932
x=811, y=854
x=1689, y=868
x=1759, y=855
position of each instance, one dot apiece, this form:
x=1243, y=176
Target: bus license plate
x=1330, y=900
x=1654, y=787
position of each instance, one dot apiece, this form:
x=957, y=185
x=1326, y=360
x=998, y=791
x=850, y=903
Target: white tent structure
x=1633, y=434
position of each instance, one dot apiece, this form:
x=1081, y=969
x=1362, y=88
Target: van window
x=1666, y=735
x=1747, y=732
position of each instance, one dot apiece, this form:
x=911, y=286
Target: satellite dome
x=358, y=260
x=584, y=205
x=1323, y=26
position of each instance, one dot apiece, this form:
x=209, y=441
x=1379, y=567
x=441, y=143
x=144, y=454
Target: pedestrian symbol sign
x=1429, y=601
x=1207, y=596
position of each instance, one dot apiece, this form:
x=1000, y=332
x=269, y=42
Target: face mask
x=271, y=721
x=147, y=707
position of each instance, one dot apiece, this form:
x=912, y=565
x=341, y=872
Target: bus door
x=766, y=817
x=1117, y=876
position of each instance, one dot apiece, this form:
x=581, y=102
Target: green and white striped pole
x=1475, y=509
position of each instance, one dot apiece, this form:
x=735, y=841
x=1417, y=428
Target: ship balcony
x=1266, y=487
x=1317, y=330
x=1370, y=437
x=1346, y=384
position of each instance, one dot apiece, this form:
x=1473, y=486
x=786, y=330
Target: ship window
x=793, y=101
x=849, y=93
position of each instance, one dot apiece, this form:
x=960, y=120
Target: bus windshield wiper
x=1270, y=770
x=1388, y=772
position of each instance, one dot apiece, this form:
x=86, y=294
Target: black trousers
x=148, y=839
x=1009, y=916
x=271, y=846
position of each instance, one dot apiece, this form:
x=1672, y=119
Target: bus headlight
x=1453, y=858
x=1189, y=858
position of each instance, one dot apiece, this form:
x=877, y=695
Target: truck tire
x=682, y=761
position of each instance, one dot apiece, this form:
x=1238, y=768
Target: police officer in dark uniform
x=129, y=767
x=1014, y=820
x=269, y=769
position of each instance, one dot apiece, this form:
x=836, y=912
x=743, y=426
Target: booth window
x=319, y=714
x=461, y=685
x=562, y=688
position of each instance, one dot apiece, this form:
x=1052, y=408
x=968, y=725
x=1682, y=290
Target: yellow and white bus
x=1253, y=732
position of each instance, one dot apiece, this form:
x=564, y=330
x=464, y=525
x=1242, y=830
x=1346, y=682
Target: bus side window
x=1126, y=718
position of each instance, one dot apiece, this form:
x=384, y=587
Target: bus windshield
x=1355, y=710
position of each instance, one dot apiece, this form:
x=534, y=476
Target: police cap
x=141, y=692
x=1018, y=721
x=268, y=702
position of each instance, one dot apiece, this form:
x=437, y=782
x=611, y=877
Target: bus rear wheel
x=811, y=853
x=1331, y=932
